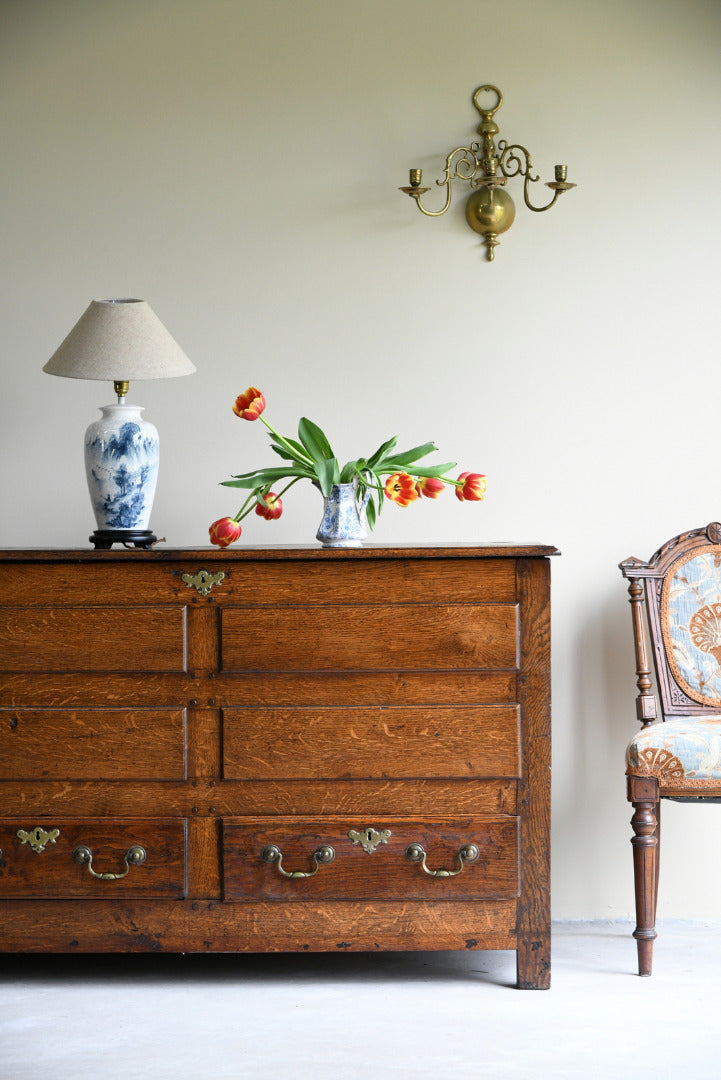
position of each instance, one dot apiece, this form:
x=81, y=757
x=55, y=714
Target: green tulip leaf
x=297, y=448
x=353, y=470
x=314, y=440
x=284, y=452
x=382, y=451
x=408, y=456
x=266, y=476
x=435, y=470
x=328, y=474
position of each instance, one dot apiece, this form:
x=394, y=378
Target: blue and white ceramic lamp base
x=121, y=463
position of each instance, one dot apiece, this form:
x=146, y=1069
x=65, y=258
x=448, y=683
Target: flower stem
x=243, y=512
x=289, y=486
x=253, y=498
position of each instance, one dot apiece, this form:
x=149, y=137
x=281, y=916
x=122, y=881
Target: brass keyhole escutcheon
x=203, y=581
x=38, y=838
x=369, y=838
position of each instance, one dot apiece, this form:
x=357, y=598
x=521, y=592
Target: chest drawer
x=102, y=859
x=347, y=859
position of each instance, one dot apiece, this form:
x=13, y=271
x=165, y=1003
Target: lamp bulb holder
x=121, y=387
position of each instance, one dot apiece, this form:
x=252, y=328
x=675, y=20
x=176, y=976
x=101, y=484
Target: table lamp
x=120, y=340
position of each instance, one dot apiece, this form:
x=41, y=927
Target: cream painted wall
x=236, y=164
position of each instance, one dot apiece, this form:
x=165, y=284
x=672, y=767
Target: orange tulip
x=250, y=405
x=224, y=531
x=430, y=486
x=273, y=507
x=401, y=488
x=473, y=488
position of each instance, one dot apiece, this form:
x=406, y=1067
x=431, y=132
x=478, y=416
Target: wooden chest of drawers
x=276, y=749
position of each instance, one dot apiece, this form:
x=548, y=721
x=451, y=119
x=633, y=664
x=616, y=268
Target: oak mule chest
x=276, y=749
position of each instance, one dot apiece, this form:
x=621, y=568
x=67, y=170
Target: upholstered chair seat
x=686, y=750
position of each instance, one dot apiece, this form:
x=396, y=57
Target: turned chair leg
x=645, y=872
x=658, y=858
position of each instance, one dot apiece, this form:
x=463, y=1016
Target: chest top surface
x=310, y=552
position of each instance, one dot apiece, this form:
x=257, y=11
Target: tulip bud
x=273, y=507
x=473, y=488
x=430, y=486
x=224, y=531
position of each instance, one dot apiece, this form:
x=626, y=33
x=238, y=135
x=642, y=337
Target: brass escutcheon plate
x=38, y=838
x=369, y=838
x=203, y=580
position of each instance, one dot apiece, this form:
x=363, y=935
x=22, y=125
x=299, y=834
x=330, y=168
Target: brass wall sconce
x=490, y=210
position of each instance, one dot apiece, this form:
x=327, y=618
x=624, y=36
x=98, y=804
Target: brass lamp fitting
x=121, y=387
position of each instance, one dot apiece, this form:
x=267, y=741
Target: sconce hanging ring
x=487, y=113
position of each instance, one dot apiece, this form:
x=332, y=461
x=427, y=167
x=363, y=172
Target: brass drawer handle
x=134, y=856
x=272, y=854
x=416, y=853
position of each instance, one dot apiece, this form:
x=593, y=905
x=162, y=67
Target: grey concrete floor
x=444, y=1015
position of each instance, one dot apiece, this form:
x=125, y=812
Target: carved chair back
x=681, y=583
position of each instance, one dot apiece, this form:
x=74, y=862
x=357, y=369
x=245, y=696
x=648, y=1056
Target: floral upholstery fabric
x=686, y=750
x=691, y=624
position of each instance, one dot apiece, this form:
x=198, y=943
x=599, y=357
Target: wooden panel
x=204, y=858
x=54, y=873
x=92, y=639
x=399, y=637
x=88, y=744
x=110, y=577
x=356, y=874
x=480, y=741
x=204, y=743
x=202, y=635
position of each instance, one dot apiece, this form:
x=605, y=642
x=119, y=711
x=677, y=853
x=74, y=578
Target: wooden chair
x=676, y=756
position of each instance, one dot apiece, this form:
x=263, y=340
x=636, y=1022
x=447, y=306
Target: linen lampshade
x=119, y=340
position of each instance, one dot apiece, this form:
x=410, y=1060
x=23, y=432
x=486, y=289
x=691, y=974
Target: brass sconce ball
x=490, y=211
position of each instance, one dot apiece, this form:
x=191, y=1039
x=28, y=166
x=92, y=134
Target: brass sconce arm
x=489, y=209
x=463, y=168
x=512, y=164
